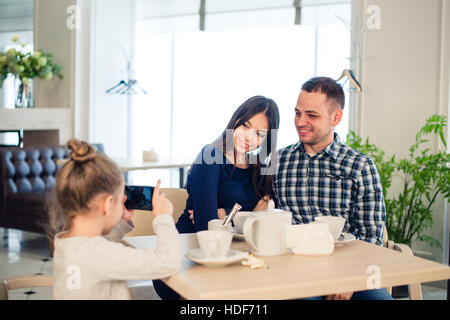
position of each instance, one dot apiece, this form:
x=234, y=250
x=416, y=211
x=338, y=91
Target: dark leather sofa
x=27, y=179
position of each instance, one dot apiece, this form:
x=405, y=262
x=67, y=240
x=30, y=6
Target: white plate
x=196, y=255
x=347, y=238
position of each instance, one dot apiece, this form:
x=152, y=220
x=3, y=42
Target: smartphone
x=139, y=197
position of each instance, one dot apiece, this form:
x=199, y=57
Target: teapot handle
x=247, y=228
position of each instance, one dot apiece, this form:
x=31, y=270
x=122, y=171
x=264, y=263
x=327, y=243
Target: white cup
x=217, y=224
x=335, y=224
x=239, y=220
x=214, y=243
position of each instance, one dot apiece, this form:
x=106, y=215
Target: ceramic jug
x=265, y=232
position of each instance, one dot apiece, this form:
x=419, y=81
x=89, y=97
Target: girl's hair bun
x=81, y=151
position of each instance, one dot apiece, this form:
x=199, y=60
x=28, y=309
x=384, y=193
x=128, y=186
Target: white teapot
x=265, y=232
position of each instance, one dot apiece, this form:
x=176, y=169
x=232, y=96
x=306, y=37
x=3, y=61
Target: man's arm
x=370, y=215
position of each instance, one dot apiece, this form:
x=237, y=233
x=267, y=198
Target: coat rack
x=355, y=55
x=127, y=87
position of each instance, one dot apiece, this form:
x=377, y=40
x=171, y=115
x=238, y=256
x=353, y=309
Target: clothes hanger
x=130, y=87
x=349, y=74
x=133, y=85
x=119, y=86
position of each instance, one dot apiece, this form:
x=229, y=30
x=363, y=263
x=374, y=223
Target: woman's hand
x=161, y=205
x=263, y=203
x=221, y=213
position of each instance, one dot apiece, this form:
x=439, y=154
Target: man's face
x=315, y=119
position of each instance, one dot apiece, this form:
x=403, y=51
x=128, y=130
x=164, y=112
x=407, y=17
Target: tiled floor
x=26, y=253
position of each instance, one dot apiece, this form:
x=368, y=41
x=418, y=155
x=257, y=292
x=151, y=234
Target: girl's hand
x=127, y=213
x=161, y=205
x=263, y=203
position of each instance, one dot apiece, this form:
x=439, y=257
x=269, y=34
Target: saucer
x=238, y=236
x=196, y=255
x=347, y=238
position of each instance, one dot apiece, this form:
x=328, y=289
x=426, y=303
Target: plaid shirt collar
x=332, y=149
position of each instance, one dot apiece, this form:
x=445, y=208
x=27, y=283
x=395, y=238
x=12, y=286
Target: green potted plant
x=424, y=176
x=25, y=66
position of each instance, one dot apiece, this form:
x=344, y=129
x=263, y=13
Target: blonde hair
x=87, y=174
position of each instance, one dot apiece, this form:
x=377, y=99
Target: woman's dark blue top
x=213, y=183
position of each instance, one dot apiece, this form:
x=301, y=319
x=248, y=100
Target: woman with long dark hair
x=232, y=169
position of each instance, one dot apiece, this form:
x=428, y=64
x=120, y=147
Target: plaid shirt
x=338, y=181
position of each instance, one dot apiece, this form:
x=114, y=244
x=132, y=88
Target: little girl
x=89, y=261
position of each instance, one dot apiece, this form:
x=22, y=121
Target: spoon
x=235, y=209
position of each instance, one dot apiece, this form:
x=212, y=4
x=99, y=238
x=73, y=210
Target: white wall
x=52, y=35
x=404, y=71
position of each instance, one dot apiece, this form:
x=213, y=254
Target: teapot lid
x=272, y=210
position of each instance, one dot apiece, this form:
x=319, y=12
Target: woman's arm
x=204, y=180
x=221, y=213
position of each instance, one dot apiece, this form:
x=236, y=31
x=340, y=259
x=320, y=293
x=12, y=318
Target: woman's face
x=249, y=136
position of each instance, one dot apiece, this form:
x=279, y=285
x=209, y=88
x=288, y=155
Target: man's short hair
x=327, y=86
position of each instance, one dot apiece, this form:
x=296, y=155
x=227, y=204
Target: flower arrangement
x=27, y=65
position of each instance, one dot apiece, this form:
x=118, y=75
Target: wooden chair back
x=24, y=282
x=415, y=289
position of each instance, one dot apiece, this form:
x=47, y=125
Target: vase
x=24, y=94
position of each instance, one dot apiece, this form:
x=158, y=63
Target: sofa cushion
x=32, y=170
x=27, y=180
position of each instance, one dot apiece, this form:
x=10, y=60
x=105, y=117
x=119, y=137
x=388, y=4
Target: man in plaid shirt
x=319, y=175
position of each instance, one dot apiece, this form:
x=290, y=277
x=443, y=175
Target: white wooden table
x=350, y=268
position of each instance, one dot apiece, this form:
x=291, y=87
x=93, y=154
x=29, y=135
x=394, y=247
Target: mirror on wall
x=16, y=20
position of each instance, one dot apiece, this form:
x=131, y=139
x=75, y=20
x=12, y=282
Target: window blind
x=16, y=15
